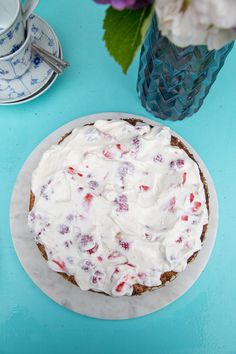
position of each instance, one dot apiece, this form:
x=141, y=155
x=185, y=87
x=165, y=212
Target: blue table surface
x=201, y=321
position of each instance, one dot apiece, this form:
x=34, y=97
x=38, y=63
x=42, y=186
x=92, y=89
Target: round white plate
x=69, y=295
x=39, y=73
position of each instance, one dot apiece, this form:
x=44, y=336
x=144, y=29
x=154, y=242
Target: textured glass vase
x=172, y=81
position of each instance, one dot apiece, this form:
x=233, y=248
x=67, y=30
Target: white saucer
x=69, y=295
x=39, y=74
x=38, y=93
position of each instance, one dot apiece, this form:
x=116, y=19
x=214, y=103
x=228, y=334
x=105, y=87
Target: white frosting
x=117, y=205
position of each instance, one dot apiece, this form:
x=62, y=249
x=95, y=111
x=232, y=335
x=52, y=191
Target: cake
x=118, y=207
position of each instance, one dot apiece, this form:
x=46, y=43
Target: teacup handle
x=28, y=8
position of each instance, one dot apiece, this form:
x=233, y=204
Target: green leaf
x=124, y=33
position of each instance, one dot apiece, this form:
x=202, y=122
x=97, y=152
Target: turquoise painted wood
x=203, y=321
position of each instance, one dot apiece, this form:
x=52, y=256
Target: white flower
x=195, y=22
x=220, y=13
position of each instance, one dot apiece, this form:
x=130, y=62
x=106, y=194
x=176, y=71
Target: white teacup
x=13, y=18
x=16, y=64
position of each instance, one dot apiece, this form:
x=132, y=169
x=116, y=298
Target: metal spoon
x=53, y=66
x=58, y=61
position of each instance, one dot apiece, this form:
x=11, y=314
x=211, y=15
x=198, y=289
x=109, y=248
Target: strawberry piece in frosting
x=113, y=255
x=120, y=286
x=191, y=197
x=86, y=242
x=184, y=217
x=144, y=188
x=107, y=154
x=60, y=264
x=93, y=250
x=196, y=206
x=71, y=170
x=129, y=264
x=88, y=199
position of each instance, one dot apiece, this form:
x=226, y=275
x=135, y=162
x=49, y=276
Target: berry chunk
x=68, y=243
x=87, y=266
x=177, y=163
x=97, y=277
x=124, y=245
x=158, y=158
x=129, y=264
x=93, y=184
x=120, y=286
x=172, y=203
x=86, y=242
x=70, y=170
x=144, y=188
x=88, y=199
x=196, y=206
x=184, y=177
x=70, y=217
x=136, y=141
x=113, y=255
x=184, y=217
x=122, y=203
x=191, y=197
x=125, y=169
x=63, y=229
x=93, y=250
x=107, y=154
x=60, y=264
x=179, y=240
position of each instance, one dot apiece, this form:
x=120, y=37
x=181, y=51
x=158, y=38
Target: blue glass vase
x=172, y=81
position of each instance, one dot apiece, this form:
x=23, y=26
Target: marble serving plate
x=70, y=296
